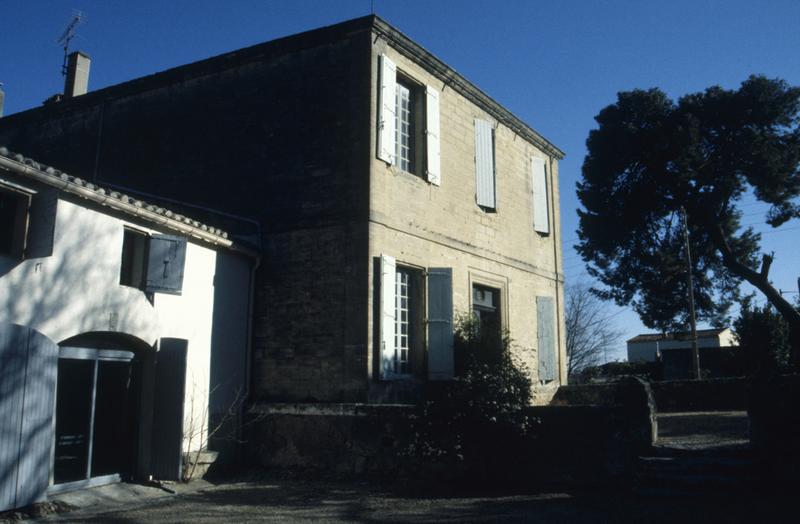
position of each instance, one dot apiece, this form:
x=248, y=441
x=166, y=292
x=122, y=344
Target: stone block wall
x=425, y=225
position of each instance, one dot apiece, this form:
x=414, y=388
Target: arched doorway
x=98, y=397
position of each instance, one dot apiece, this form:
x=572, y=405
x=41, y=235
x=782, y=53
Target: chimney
x=77, y=82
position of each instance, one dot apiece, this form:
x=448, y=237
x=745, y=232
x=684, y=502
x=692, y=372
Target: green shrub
x=476, y=424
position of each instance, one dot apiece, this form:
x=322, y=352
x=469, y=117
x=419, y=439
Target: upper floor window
x=13, y=222
x=484, y=165
x=408, y=123
x=153, y=263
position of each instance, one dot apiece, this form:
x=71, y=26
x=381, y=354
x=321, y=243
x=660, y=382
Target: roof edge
x=28, y=167
x=459, y=83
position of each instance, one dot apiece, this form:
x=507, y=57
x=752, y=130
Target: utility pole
x=690, y=285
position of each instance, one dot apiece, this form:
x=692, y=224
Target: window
x=486, y=308
x=13, y=222
x=408, y=123
x=152, y=263
x=406, y=130
x=406, y=310
x=484, y=165
x=134, y=259
x=402, y=326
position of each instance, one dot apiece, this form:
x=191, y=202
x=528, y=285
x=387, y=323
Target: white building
x=648, y=347
x=124, y=331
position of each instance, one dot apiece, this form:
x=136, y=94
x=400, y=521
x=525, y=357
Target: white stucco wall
x=76, y=290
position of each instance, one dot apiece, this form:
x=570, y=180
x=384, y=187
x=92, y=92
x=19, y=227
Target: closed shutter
x=165, y=264
x=432, y=136
x=386, y=109
x=541, y=221
x=387, y=292
x=484, y=164
x=27, y=395
x=42, y=224
x=545, y=334
x=440, y=323
x=170, y=390
x=37, y=419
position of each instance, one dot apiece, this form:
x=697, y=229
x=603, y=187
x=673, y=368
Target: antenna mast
x=69, y=33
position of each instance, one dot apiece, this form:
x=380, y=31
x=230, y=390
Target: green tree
x=649, y=158
x=764, y=335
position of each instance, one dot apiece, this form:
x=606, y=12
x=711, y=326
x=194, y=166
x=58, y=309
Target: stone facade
x=285, y=133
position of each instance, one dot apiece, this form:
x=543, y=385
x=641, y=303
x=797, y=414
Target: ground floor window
x=408, y=320
x=486, y=309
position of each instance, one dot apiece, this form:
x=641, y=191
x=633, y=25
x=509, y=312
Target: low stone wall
x=569, y=444
x=719, y=394
x=774, y=411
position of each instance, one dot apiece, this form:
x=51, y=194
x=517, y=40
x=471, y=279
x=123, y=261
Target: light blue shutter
x=42, y=224
x=165, y=263
x=28, y=364
x=484, y=164
x=37, y=419
x=386, y=109
x=545, y=334
x=388, y=312
x=541, y=221
x=432, y=135
x=170, y=390
x=440, y=323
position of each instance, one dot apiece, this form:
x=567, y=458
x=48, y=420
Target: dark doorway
x=95, y=416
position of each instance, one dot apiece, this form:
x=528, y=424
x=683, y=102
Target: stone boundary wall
x=584, y=445
x=720, y=394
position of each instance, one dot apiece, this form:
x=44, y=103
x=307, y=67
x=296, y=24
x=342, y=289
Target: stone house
x=391, y=195
x=116, y=317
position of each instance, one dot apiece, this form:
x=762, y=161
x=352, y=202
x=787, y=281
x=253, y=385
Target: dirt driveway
x=296, y=501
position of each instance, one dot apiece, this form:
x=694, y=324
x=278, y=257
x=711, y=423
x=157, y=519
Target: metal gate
x=28, y=368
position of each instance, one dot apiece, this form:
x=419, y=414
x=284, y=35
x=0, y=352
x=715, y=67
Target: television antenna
x=69, y=33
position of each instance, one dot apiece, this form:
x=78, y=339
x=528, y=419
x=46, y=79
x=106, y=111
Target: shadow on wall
x=76, y=289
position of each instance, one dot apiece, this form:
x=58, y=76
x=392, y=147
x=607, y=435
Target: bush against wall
x=765, y=336
x=477, y=424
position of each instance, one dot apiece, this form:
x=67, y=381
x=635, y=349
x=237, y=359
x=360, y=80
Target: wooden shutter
x=170, y=390
x=27, y=396
x=388, y=311
x=541, y=220
x=432, y=136
x=545, y=334
x=42, y=224
x=484, y=163
x=387, y=109
x=165, y=263
x=440, y=323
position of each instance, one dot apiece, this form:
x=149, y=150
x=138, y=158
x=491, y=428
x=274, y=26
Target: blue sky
x=553, y=63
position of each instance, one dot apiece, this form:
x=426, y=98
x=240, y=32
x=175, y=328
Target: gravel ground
x=291, y=500
x=297, y=501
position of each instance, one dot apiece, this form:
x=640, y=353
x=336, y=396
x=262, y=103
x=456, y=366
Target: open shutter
x=484, y=163
x=42, y=224
x=432, y=135
x=541, y=220
x=388, y=270
x=165, y=264
x=440, y=323
x=170, y=390
x=386, y=112
x=545, y=334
